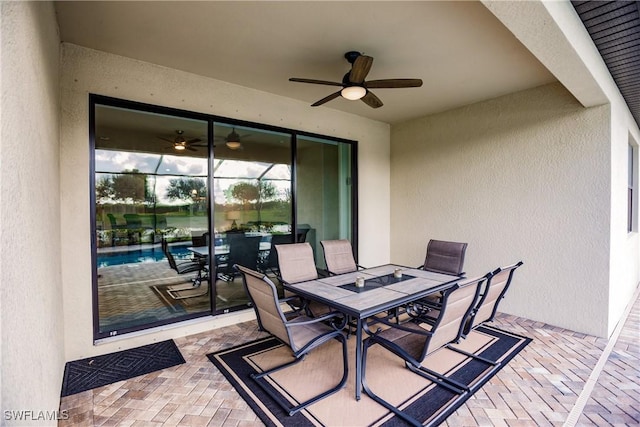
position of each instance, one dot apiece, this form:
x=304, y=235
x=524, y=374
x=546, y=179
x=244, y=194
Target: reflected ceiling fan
x=232, y=141
x=354, y=85
x=181, y=143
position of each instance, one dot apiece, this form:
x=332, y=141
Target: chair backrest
x=296, y=262
x=243, y=250
x=301, y=235
x=202, y=240
x=264, y=297
x=112, y=220
x=168, y=254
x=457, y=303
x=338, y=255
x=133, y=220
x=445, y=257
x=493, y=292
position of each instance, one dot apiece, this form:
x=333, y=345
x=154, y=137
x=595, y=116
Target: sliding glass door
x=252, y=194
x=151, y=202
x=179, y=198
x=324, y=190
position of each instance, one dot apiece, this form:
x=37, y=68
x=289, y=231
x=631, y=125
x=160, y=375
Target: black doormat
x=86, y=374
x=424, y=401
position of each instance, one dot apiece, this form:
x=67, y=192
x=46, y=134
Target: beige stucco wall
x=31, y=315
x=520, y=177
x=568, y=52
x=87, y=71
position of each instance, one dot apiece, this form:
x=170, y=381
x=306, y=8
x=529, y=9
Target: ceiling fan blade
x=371, y=100
x=360, y=69
x=166, y=139
x=193, y=141
x=191, y=149
x=326, y=99
x=393, y=83
x=313, y=81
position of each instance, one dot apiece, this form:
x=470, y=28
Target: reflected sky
x=166, y=167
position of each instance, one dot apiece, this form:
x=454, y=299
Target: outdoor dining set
x=410, y=311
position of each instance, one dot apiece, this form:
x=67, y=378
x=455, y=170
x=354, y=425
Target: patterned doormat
x=386, y=375
x=93, y=372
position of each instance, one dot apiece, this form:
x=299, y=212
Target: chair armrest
x=394, y=325
x=311, y=320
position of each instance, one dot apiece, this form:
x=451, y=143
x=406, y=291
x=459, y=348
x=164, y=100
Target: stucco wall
x=520, y=177
x=32, y=338
x=87, y=71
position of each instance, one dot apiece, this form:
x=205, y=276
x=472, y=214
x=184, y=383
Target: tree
x=128, y=186
x=248, y=192
x=266, y=191
x=104, y=189
x=186, y=188
x=245, y=192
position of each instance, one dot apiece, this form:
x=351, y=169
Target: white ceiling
x=459, y=49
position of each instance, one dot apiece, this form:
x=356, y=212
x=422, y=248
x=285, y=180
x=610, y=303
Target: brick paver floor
x=539, y=387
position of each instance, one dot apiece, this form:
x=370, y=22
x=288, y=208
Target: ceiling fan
x=354, y=85
x=180, y=143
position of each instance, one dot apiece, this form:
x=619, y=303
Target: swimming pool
x=138, y=255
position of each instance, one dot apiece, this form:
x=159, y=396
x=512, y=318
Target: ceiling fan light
x=353, y=92
x=179, y=146
x=233, y=145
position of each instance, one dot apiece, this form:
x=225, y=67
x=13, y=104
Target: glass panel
x=252, y=195
x=151, y=204
x=324, y=192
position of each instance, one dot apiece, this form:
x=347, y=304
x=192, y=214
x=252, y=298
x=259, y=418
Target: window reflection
x=150, y=203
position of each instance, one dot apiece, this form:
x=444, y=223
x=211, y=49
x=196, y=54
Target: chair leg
x=406, y=417
x=439, y=379
x=291, y=410
x=474, y=356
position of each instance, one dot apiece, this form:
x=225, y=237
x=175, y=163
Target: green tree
x=245, y=192
x=183, y=188
x=249, y=192
x=104, y=189
x=129, y=186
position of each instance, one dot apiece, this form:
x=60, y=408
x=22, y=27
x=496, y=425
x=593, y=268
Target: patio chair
x=415, y=340
x=442, y=257
x=338, y=256
x=445, y=257
x=296, y=264
x=490, y=296
x=301, y=334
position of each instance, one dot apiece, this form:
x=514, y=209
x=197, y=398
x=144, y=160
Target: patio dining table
x=382, y=291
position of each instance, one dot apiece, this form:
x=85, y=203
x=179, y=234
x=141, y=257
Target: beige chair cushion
x=296, y=262
x=338, y=255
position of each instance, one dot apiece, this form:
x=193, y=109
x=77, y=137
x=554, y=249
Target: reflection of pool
x=138, y=255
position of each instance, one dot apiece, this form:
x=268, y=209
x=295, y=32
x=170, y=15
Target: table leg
x=358, y=358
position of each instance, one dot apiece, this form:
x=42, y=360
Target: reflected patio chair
x=201, y=240
x=338, y=256
x=301, y=234
x=490, y=296
x=184, y=267
x=416, y=340
x=271, y=264
x=243, y=250
x=301, y=334
x=296, y=264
